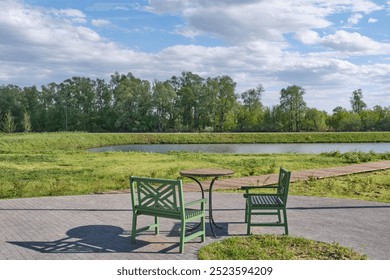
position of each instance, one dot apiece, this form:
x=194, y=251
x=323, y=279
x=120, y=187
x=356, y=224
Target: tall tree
x=9, y=123
x=357, y=102
x=226, y=101
x=251, y=113
x=132, y=102
x=105, y=117
x=163, y=97
x=293, y=106
x=26, y=122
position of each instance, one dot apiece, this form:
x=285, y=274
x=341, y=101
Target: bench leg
x=134, y=228
x=157, y=223
x=182, y=236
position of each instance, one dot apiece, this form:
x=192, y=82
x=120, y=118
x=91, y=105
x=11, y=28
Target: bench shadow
x=105, y=239
x=86, y=239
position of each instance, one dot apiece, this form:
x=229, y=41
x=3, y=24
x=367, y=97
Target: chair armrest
x=269, y=186
x=199, y=201
x=259, y=187
x=246, y=195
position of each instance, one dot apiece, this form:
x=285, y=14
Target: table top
x=207, y=172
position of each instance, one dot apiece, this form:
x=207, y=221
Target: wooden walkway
x=236, y=183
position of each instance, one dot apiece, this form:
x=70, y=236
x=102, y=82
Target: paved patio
x=98, y=227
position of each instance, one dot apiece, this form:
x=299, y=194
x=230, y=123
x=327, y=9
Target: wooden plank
x=235, y=183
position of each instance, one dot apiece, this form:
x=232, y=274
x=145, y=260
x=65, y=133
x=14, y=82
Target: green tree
x=250, y=114
x=335, y=120
x=315, y=120
x=26, y=122
x=11, y=102
x=293, y=107
x=384, y=122
x=357, y=102
x=350, y=122
x=9, y=123
x=132, y=102
x=31, y=103
x=104, y=114
x=226, y=101
x=163, y=97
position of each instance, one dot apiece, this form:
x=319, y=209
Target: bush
x=357, y=157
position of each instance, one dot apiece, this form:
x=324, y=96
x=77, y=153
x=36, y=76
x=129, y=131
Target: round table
x=215, y=173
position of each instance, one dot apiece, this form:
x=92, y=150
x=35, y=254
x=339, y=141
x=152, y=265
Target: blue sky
x=329, y=47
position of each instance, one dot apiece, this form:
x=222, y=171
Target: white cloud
x=101, y=22
x=308, y=37
x=353, y=42
x=372, y=20
x=38, y=46
x=110, y=6
x=355, y=19
x=244, y=21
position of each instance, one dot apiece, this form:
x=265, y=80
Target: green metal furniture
x=268, y=203
x=162, y=198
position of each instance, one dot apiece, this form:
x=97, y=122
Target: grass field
x=46, y=164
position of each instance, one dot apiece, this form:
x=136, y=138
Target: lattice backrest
x=157, y=194
x=284, y=183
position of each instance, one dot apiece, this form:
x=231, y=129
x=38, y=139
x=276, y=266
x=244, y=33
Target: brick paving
x=94, y=227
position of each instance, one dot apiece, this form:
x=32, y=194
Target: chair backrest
x=157, y=194
x=284, y=183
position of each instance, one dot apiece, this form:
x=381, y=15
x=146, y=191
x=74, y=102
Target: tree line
x=180, y=104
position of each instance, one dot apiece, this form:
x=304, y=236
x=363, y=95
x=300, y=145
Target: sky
x=328, y=47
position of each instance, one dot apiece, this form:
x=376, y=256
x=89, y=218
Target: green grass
x=374, y=186
x=47, y=164
x=272, y=247
x=81, y=172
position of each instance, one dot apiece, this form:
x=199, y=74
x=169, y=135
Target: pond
x=305, y=148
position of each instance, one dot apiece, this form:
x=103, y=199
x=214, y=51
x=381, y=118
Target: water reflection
x=316, y=148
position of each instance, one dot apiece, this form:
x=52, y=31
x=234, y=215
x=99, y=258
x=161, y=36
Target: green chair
x=268, y=203
x=162, y=198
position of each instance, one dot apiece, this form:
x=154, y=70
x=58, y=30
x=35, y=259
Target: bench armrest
x=199, y=201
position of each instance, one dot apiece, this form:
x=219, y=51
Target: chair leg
x=134, y=228
x=285, y=221
x=246, y=212
x=248, y=218
x=279, y=218
x=182, y=236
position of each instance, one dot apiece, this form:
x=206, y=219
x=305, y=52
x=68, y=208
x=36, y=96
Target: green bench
x=268, y=203
x=163, y=198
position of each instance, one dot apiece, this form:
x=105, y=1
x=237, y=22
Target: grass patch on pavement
x=273, y=247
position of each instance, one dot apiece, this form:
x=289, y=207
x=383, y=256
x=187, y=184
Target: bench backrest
x=161, y=195
x=283, y=184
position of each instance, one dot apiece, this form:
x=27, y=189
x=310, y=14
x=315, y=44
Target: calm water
x=251, y=148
